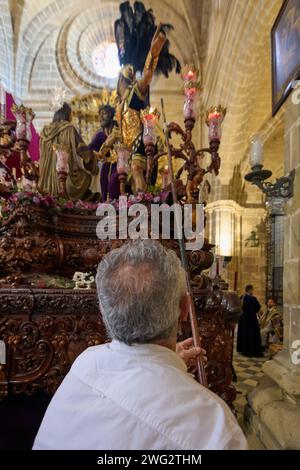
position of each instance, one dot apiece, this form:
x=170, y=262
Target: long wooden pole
x=192, y=312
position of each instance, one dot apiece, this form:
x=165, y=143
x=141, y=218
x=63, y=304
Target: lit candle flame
x=151, y=114
x=189, y=74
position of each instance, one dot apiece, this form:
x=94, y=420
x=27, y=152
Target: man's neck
x=166, y=343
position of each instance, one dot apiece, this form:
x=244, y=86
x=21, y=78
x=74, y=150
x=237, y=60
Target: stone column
x=229, y=227
x=273, y=410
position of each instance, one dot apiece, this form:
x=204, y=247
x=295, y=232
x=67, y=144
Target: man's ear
x=184, y=308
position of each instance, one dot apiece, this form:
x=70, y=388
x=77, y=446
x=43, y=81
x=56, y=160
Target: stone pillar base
x=272, y=417
x=258, y=435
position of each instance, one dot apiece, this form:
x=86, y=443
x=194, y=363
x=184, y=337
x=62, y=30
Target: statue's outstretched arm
x=114, y=136
x=157, y=44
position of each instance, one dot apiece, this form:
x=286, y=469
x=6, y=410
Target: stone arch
x=35, y=29
x=6, y=51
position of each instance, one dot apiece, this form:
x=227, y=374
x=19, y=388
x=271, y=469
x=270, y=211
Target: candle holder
x=62, y=166
x=282, y=188
x=150, y=117
x=214, y=118
x=122, y=165
x=191, y=156
x=189, y=76
x=165, y=176
x=24, y=117
x=256, y=151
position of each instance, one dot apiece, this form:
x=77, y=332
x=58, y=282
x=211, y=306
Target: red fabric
x=33, y=150
x=35, y=140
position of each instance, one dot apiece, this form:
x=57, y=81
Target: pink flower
x=36, y=200
x=79, y=205
x=49, y=200
x=90, y=206
x=148, y=197
x=69, y=205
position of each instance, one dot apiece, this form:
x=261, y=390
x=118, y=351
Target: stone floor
x=248, y=371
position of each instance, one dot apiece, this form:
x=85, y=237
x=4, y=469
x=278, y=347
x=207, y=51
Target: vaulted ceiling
x=46, y=39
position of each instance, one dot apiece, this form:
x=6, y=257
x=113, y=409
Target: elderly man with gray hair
x=135, y=392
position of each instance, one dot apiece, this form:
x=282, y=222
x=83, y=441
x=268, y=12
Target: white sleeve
x=236, y=441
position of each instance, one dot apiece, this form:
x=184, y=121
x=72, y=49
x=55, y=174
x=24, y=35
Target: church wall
x=273, y=413
x=292, y=228
x=238, y=76
x=251, y=260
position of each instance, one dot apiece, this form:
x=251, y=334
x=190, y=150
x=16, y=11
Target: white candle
x=2, y=103
x=256, y=151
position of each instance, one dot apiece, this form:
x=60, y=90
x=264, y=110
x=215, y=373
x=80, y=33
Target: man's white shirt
x=135, y=397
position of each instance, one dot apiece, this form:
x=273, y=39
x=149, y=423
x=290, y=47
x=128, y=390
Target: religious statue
x=7, y=179
x=136, y=34
x=133, y=97
x=81, y=167
x=108, y=173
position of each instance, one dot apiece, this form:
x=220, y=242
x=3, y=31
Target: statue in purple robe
x=110, y=187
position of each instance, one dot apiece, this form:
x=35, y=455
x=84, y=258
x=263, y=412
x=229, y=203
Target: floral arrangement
x=53, y=204
x=141, y=198
x=38, y=281
x=58, y=205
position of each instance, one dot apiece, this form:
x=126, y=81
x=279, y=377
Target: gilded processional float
x=49, y=249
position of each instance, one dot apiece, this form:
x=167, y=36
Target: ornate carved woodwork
x=45, y=329
x=34, y=240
